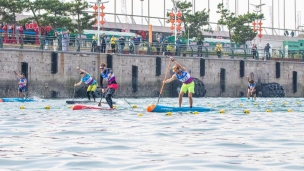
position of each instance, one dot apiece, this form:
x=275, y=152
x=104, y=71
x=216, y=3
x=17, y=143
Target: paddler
x=251, y=88
x=188, y=84
x=22, y=84
x=108, y=75
x=89, y=81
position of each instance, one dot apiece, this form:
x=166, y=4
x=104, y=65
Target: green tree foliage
x=9, y=9
x=193, y=23
x=83, y=19
x=238, y=26
x=56, y=14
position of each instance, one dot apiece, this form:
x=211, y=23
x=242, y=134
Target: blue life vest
x=184, y=77
x=106, y=76
x=21, y=81
x=251, y=85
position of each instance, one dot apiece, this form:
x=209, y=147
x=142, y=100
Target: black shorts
x=110, y=91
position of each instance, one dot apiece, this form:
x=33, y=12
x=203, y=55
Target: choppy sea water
x=59, y=138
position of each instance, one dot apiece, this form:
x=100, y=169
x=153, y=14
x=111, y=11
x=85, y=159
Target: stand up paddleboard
x=17, y=100
x=84, y=107
x=83, y=102
x=160, y=108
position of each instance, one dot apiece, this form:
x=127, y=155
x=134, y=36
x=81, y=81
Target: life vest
x=105, y=75
x=184, y=77
x=88, y=80
x=21, y=81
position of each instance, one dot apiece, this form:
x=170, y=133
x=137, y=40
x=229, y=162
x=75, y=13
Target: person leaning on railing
x=136, y=41
x=113, y=43
x=218, y=49
x=199, y=44
x=254, y=51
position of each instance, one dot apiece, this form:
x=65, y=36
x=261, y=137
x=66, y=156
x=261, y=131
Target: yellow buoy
x=47, y=107
x=268, y=110
x=246, y=111
x=284, y=103
x=22, y=107
x=270, y=103
x=195, y=112
x=140, y=114
x=289, y=110
x=134, y=106
x=255, y=103
x=169, y=113
x=70, y=107
x=298, y=103
x=241, y=104
x=208, y=105
x=114, y=106
x=222, y=111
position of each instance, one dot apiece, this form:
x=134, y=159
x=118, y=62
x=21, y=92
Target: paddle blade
x=150, y=108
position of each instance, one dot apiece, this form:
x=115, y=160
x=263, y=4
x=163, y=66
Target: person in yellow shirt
x=113, y=43
x=218, y=49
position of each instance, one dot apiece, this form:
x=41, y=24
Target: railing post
x=207, y=53
x=245, y=53
x=191, y=55
x=41, y=41
x=232, y=53
x=78, y=45
x=282, y=55
x=22, y=43
x=257, y=55
x=59, y=38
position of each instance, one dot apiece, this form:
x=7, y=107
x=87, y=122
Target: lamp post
x=98, y=2
x=188, y=32
x=142, y=12
x=175, y=22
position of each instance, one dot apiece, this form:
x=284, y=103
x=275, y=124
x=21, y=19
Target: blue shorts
x=22, y=89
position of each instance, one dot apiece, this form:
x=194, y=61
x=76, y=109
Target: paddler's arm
x=170, y=79
x=79, y=83
x=177, y=64
x=81, y=70
x=17, y=74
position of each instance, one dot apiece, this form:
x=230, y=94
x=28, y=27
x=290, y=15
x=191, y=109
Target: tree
x=34, y=7
x=83, y=19
x=9, y=9
x=56, y=14
x=195, y=21
x=238, y=28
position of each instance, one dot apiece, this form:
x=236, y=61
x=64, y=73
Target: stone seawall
x=42, y=82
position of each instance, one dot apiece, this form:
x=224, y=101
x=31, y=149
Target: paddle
x=161, y=90
x=99, y=104
x=74, y=91
x=128, y=103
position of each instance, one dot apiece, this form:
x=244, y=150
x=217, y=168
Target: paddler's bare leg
x=180, y=98
x=190, y=99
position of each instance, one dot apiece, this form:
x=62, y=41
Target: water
x=62, y=139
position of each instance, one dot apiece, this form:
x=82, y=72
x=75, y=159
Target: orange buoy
x=1, y=100
x=150, y=108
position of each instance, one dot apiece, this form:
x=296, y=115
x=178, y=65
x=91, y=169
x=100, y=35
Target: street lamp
x=98, y=2
x=188, y=25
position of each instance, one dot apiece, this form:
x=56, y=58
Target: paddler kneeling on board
x=22, y=84
x=188, y=84
x=251, y=88
x=89, y=81
x=108, y=75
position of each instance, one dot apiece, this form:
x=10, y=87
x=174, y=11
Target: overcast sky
x=158, y=7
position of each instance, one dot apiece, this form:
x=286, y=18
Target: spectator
x=136, y=41
x=94, y=45
x=131, y=45
x=164, y=47
x=266, y=49
x=158, y=46
x=121, y=44
x=218, y=49
x=254, y=51
x=178, y=44
x=168, y=48
x=113, y=43
x=292, y=34
x=286, y=33
x=65, y=40
x=199, y=47
x=55, y=41
x=103, y=41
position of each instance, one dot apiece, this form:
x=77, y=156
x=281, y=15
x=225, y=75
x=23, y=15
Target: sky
x=293, y=12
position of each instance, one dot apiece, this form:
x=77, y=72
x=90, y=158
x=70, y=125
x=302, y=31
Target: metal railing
x=52, y=43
